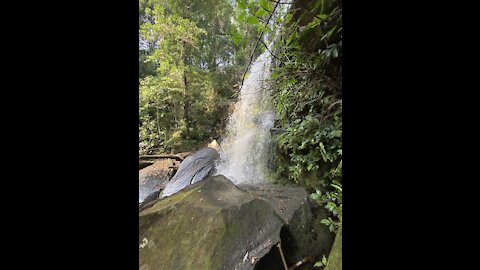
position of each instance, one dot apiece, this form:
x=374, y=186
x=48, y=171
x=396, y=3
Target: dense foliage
x=189, y=71
x=307, y=83
x=307, y=89
x=308, y=92
x=308, y=95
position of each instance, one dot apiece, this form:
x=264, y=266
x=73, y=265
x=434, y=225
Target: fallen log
x=178, y=156
x=162, y=156
x=147, y=160
x=144, y=163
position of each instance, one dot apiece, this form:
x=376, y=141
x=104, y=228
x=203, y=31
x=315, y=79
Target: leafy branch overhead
x=188, y=65
x=261, y=30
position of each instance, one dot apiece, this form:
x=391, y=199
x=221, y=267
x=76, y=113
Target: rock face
x=153, y=179
x=214, y=224
x=335, y=257
x=302, y=234
x=192, y=170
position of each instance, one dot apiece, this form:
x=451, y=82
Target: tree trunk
x=158, y=123
x=172, y=156
x=186, y=105
x=185, y=93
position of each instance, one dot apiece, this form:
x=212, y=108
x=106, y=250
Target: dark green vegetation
x=189, y=70
x=307, y=89
x=307, y=82
x=308, y=95
x=193, y=57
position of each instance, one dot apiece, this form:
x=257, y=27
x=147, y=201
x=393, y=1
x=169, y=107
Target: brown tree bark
x=177, y=157
x=186, y=93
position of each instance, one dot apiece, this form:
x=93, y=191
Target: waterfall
x=245, y=149
x=243, y=158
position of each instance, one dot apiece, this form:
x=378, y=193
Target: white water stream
x=244, y=149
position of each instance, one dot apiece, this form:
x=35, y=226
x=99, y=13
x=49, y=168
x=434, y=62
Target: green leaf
x=252, y=5
x=266, y=5
x=330, y=206
x=242, y=4
x=313, y=24
x=288, y=17
x=260, y=27
x=242, y=16
x=291, y=38
x=315, y=196
x=310, y=166
x=317, y=5
x=318, y=264
x=323, y=152
x=337, y=187
x=325, y=221
x=237, y=38
x=252, y=20
x=331, y=32
x=292, y=81
x=324, y=260
x=261, y=12
x=278, y=19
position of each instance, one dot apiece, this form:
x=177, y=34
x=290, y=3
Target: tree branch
x=279, y=245
x=177, y=157
x=299, y=263
x=283, y=3
x=266, y=9
x=266, y=47
x=256, y=45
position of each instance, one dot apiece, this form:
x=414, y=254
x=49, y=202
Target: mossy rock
x=302, y=234
x=214, y=224
x=209, y=225
x=335, y=257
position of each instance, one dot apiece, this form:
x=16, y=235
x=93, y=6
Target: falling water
x=243, y=158
x=245, y=149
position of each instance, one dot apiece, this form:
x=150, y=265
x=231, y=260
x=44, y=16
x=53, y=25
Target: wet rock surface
x=214, y=224
x=303, y=236
x=193, y=169
x=154, y=178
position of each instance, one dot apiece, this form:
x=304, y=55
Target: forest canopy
x=189, y=71
x=194, y=56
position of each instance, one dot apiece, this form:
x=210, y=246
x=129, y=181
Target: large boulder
x=153, y=179
x=192, y=170
x=304, y=238
x=214, y=224
x=211, y=225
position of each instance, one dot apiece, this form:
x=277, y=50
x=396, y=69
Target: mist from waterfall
x=244, y=149
x=246, y=146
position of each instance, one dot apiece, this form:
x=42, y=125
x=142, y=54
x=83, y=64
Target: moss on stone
x=335, y=257
x=214, y=224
